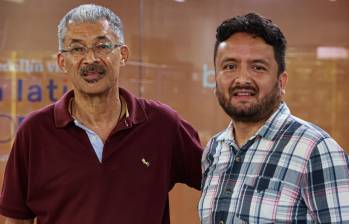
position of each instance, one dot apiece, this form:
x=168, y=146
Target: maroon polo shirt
x=53, y=172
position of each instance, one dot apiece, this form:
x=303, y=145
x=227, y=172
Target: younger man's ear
x=283, y=78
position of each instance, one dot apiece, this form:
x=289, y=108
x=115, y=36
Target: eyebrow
x=72, y=41
x=262, y=61
x=251, y=61
x=99, y=38
x=227, y=59
x=103, y=38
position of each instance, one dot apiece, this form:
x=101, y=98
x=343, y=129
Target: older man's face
x=93, y=72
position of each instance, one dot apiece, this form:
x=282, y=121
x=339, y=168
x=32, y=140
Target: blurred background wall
x=171, y=44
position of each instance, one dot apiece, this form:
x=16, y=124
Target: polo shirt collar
x=135, y=109
x=61, y=113
x=269, y=130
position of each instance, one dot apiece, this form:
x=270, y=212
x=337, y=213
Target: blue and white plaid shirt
x=290, y=171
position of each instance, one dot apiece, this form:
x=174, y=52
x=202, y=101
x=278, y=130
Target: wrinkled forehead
x=89, y=32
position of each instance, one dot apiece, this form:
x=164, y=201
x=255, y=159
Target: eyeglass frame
x=87, y=49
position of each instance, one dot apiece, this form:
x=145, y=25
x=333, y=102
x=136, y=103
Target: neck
x=96, y=110
x=243, y=131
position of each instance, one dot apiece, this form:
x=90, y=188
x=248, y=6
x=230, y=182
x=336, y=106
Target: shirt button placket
x=228, y=191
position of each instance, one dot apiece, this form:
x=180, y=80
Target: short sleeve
x=15, y=184
x=187, y=155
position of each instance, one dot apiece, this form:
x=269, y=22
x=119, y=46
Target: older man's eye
x=77, y=50
x=103, y=46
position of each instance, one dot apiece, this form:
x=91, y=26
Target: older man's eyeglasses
x=98, y=50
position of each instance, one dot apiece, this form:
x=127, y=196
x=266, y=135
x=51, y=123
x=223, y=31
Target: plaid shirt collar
x=269, y=130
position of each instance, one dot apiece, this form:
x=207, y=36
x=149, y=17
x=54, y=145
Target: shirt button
x=228, y=191
x=238, y=159
x=221, y=222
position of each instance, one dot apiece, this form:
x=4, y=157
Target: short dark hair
x=255, y=25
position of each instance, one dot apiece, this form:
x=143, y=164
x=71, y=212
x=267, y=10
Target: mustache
x=235, y=88
x=93, y=68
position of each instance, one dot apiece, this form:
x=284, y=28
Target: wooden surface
x=177, y=43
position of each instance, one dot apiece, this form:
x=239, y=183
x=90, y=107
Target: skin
x=247, y=76
x=96, y=103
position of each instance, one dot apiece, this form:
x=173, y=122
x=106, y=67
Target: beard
x=251, y=112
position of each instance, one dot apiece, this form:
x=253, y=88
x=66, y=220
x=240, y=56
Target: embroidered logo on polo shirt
x=145, y=162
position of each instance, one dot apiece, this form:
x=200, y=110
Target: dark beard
x=260, y=111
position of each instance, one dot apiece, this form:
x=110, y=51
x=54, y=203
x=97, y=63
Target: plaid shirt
x=290, y=171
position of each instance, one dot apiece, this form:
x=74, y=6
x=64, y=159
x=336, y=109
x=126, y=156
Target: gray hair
x=89, y=13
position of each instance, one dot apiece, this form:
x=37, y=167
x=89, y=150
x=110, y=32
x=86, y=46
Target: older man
x=99, y=154
x=267, y=166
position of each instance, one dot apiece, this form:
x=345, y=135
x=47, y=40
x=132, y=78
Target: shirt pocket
x=261, y=183
x=259, y=197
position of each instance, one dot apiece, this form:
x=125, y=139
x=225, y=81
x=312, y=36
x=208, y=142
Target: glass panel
x=171, y=45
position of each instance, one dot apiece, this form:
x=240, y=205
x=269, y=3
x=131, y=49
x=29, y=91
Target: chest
x=263, y=180
x=65, y=168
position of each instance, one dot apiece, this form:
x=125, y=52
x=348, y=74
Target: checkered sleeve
x=208, y=159
x=326, y=183
x=205, y=163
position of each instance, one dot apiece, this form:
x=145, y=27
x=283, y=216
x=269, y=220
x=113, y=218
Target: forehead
x=244, y=46
x=89, y=31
